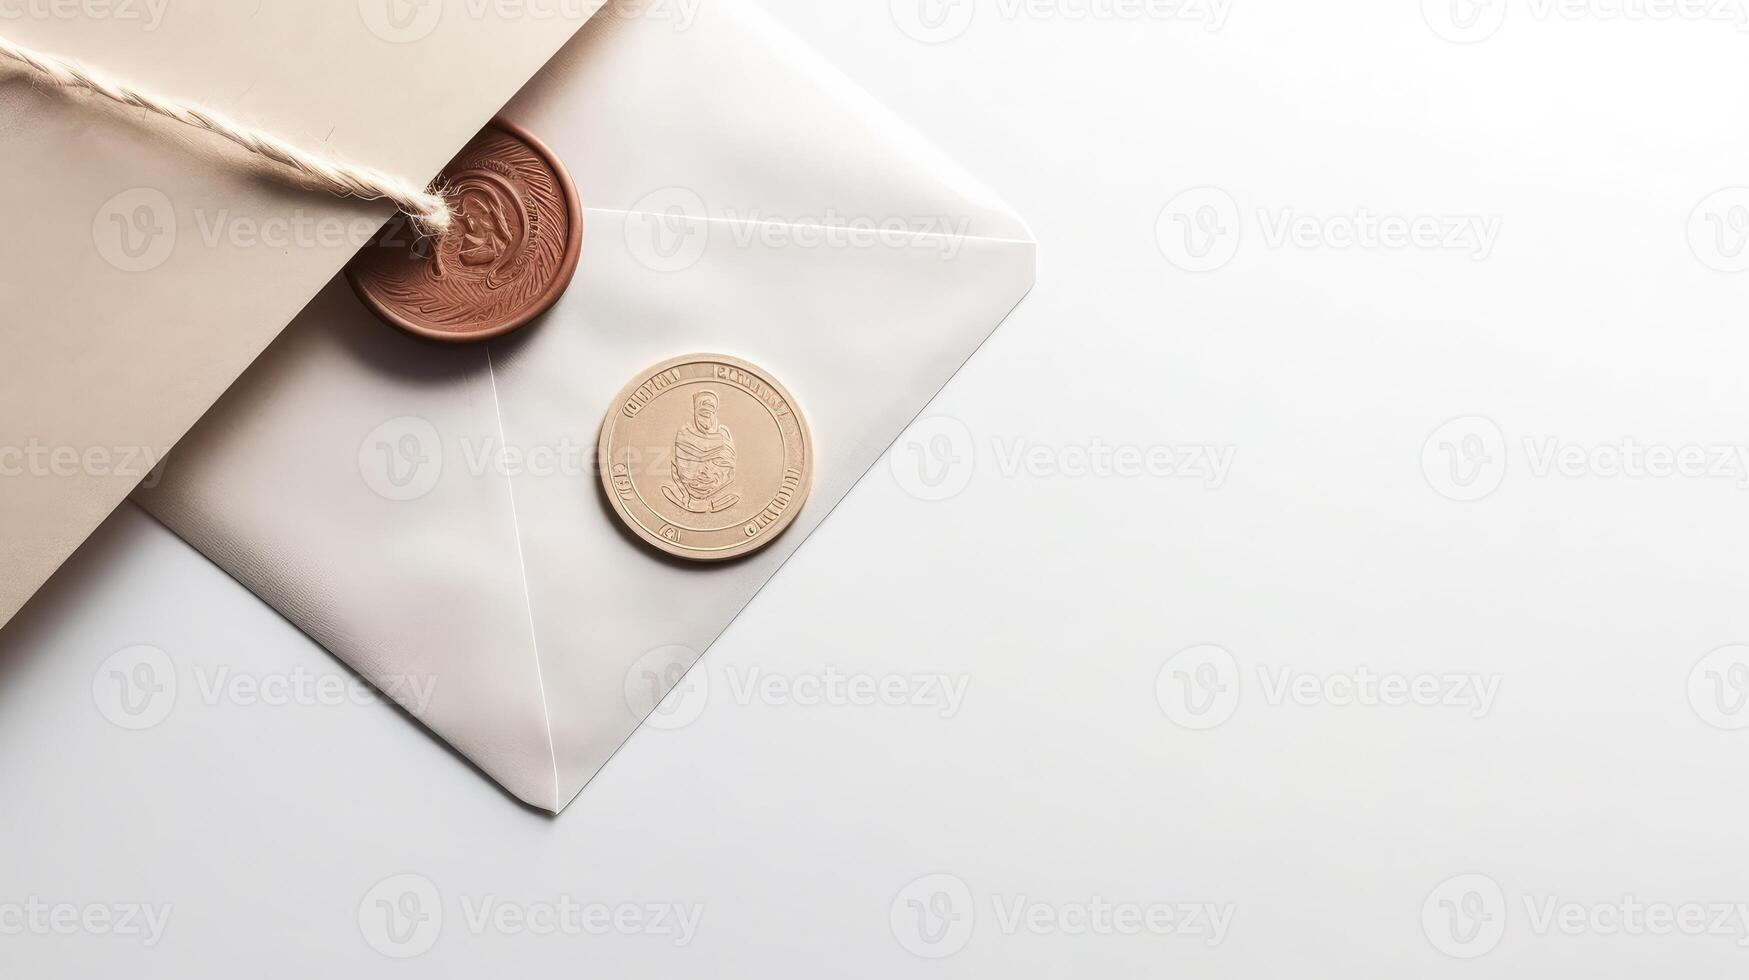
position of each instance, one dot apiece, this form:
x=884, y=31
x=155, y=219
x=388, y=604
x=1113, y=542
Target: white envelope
x=355, y=477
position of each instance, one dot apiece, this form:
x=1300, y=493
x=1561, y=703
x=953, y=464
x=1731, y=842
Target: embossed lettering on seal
x=706, y=457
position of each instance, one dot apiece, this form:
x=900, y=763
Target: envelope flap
x=350, y=482
x=863, y=339
x=735, y=140
x=387, y=83
x=788, y=137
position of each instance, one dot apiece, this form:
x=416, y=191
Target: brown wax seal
x=513, y=249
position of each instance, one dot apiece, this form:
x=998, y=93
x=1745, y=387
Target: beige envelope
x=431, y=513
x=143, y=266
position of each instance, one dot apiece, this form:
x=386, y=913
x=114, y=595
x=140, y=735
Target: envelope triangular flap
x=334, y=481
x=750, y=123
x=734, y=126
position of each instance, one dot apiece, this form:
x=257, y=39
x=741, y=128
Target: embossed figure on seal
x=493, y=229
x=512, y=250
x=722, y=492
x=498, y=259
x=704, y=460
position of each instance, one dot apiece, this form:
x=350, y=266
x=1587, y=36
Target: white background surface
x=1603, y=772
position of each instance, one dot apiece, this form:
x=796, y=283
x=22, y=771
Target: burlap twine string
x=429, y=210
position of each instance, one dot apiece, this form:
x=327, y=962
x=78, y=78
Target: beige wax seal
x=706, y=457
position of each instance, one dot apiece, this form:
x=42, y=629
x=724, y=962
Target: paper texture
x=145, y=265
x=357, y=479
